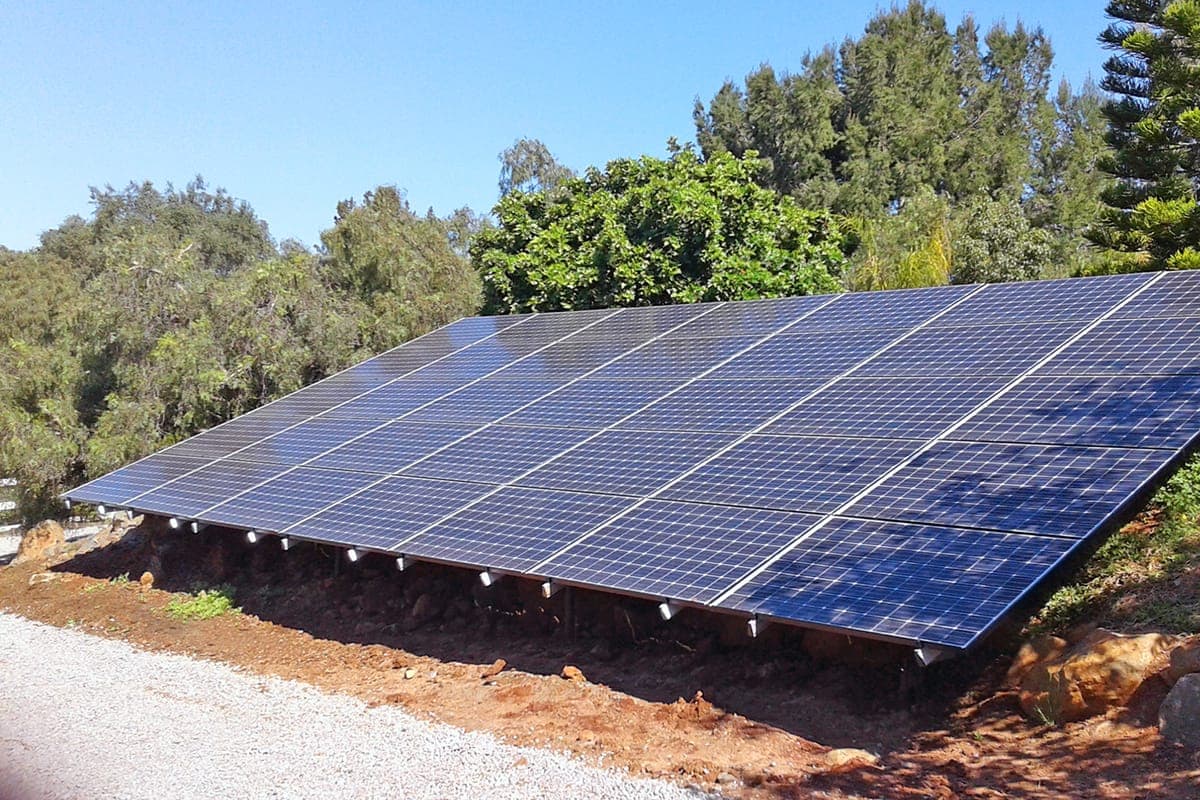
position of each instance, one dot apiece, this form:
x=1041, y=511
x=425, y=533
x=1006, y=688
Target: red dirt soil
x=691, y=701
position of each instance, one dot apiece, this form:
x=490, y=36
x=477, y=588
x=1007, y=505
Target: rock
x=1037, y=649
x=845, y=759
x=44, y=577
x=1185, y=659
x=573, y=674
x=1100, y=672
x=409, y=674
x=1179, y=714
x=495, y=669
x=425, y=608
x=146, y=581
x=40, y=542
x=725, y=778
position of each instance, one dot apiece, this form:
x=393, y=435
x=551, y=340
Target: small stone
x=409, y=674
x=495, y=669
x=573, y=674
x=844, y=759
x=1179, y=714
x=725, y=778
x=44, y=577
x=1185, y=660
x=146, y=581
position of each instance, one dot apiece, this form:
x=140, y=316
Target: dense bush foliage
x=168, y=312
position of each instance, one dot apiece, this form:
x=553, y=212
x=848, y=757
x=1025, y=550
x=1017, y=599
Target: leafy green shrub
x=206, y=604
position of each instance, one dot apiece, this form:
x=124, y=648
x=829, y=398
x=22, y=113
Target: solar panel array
x=905, y=465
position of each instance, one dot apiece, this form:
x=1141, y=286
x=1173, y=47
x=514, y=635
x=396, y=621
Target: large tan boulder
x=40, y=542
x=1100, y=672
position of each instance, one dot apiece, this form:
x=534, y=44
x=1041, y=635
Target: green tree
x=1151, y=217
x=651, y=231
x=993, y=242
x=529, y=166
x=400, y=265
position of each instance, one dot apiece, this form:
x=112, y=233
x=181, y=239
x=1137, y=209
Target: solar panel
x=904, y=465
x=912, y=582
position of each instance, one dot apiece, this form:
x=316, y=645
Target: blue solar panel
x=118, y=487
x=1156, y=346
x=206, y=487
x=815, y=355
x=593, y=403
x=793, y=473
x=963, y=445
x=393, y=446
x=288, y=498
x=1069, y=300
x=1117, y=411
x=681, y=551
x=514, y=529
x=907, y=408
x=385, y=514
x=733, y=404
x=678, y=356
x=975, y=350
x=915, y=582
x=902, y=308
x=485, y=401
x=394, y=400
x=498, y=454
x=1050, y=489
x=626, y=462
x=761, y=317
x=306, y=440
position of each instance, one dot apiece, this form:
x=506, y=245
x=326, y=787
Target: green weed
x=206, y=604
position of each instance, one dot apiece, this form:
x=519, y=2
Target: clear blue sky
x=294, y=109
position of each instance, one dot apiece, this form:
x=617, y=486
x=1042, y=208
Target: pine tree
x=1151, y=215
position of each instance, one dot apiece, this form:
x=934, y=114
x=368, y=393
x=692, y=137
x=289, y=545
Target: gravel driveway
x=82, y=717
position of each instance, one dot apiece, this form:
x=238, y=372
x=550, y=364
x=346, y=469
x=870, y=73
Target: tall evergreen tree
x=1151, y=215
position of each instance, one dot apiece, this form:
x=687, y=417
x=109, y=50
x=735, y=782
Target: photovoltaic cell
x=236, y=434
x=915, y=582
x=380, y=517
x=807, y=356
x=485, y=401
x=515, y=528
x=1176, y=295
x=681, y=551
x=498, y=454
x=761, y=317
x=976, y=350
x=899, y=408
x=593, y=403
x=288, y=498
x=1047, y=489
x=792, y=473
x=737, y=405
x=118, y=487
x=565, y=361
x=678, y=356
x=394, y=400
x=208, y=486
x=1156, y=346
x=626, y=462
x=1069, y=300
x=306, y=440
x=393, y=447
x=642, y=324
x=1140, y=411
x=900, y=308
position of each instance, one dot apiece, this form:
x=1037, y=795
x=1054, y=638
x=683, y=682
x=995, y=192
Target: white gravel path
x=86, y=717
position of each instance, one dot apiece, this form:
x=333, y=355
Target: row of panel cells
x=518, y=527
